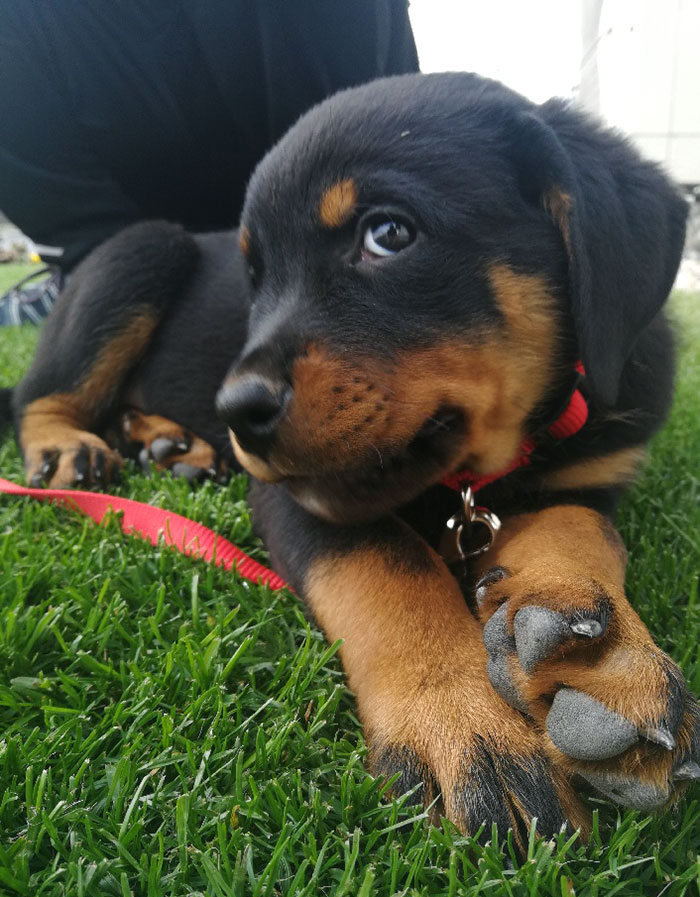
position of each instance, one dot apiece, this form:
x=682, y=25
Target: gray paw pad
x=500, y=646
x=162, y=446
x=584, y=729
x=496, y=637
x=502, y=682
x=180, y=469
x=538, y=631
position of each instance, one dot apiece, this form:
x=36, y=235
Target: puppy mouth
x=385, y=479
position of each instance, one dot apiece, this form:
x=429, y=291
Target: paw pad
x=538, y=632
x=584, y=729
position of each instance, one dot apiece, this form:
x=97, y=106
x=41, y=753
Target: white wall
x=648, y=59
x=636, y=62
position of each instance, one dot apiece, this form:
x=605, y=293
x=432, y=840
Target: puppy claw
x=495, y=574
x=590, y=628
x=687, y=772
x=81, y=465
x=49, y=462
x=162, y=447
x=98, y=468
x=629, y=792
x=659, y=735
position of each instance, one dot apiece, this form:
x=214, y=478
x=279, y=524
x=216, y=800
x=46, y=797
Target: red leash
x=154, y=524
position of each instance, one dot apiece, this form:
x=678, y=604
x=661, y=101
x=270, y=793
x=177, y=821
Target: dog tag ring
x=470, y=532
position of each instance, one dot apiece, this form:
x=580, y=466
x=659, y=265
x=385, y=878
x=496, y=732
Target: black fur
x=5, y=408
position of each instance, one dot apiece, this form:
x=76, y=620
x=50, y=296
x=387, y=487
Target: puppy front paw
x=580, y=662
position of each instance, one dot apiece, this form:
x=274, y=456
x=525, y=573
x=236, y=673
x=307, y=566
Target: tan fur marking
x=376, y=609
x=44, y=419
x=144, y=428
x=565, y=540
x=140, y=427
x=558, y=206
x=338, y=203
x=255, y=466
x=78, y=408
x=244, y=240
x=621, y=466
x=104, y=377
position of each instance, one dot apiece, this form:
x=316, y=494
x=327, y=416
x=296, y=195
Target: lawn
x=166, y=729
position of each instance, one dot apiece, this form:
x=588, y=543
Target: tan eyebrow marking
x=244, y=240
x=338, y=203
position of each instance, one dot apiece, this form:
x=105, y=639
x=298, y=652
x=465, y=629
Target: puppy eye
x=386, y=237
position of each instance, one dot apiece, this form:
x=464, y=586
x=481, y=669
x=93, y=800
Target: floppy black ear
x=623, y=224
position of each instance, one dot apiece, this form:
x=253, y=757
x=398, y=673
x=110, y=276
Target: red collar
x=569, y=422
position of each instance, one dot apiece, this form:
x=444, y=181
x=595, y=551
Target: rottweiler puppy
x=425, y=267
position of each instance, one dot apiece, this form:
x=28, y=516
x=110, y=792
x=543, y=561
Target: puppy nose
x=253, y=408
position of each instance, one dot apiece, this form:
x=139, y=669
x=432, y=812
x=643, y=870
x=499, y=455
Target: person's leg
x=52, y=186
x=111, y=114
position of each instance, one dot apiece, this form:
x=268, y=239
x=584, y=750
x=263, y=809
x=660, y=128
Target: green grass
x=168, y=730
x=12, y=272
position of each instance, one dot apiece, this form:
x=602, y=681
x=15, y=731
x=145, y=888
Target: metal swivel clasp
x=470, y=532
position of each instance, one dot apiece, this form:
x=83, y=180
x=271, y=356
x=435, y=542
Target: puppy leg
x=566, y=647
x=414, y=657
x=99, y=330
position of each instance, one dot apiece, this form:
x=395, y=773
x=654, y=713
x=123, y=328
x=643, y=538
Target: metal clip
x=459, y=542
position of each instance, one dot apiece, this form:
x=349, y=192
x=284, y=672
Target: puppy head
x=423, y=273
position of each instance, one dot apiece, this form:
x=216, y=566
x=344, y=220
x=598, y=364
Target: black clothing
x=112, y=112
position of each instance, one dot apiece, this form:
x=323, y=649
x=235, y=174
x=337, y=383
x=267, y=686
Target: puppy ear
x=622, y=223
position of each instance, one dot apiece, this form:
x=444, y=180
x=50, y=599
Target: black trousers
x=112, y=111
